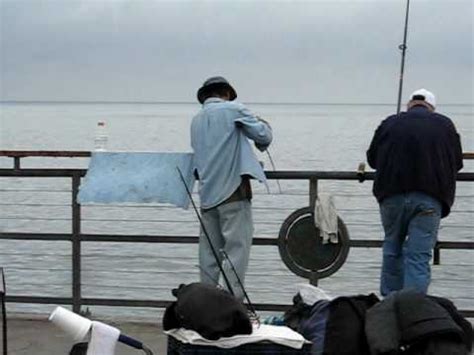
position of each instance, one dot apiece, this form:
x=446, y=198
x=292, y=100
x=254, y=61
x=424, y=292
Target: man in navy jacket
x=416, y=155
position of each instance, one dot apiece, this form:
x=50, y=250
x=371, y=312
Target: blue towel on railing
x=138, y=178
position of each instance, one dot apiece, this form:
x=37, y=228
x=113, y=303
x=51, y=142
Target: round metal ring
x=302, y=250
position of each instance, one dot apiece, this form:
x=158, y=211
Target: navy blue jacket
x=417, y=150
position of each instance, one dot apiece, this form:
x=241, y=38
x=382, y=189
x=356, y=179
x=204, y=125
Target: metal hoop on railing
x=302, y=250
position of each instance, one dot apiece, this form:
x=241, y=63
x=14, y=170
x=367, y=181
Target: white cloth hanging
x=325, y=217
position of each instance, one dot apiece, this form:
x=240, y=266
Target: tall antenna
x=403, y=48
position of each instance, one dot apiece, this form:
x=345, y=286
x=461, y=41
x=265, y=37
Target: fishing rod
x=403, y=48
x=203, y=227
x=252, y=308
x=274, y=168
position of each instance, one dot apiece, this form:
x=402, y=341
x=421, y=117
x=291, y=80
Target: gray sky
x=271, y=51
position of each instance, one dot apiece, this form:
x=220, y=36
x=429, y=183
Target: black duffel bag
x=210, y=311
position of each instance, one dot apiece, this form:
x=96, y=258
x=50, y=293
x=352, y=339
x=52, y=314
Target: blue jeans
x=411, y=223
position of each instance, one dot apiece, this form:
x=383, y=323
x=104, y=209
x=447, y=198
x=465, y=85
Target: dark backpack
x=212, y=312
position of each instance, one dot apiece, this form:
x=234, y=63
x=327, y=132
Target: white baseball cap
x=424, y=95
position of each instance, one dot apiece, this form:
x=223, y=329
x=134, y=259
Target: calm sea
x=306, y=137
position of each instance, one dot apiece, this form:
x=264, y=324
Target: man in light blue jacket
x=224, y=164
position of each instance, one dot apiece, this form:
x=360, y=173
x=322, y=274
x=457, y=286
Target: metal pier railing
x=77, y=237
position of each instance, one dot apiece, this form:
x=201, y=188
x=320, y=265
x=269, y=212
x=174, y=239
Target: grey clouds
x=272, y=51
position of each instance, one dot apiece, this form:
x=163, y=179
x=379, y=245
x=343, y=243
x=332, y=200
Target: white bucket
x=72, y=324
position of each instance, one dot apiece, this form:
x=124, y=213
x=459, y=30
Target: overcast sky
x=271, y=51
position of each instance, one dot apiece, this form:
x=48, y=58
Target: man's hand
x=261, y=147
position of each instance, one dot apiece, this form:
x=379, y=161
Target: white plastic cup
x=72, y=324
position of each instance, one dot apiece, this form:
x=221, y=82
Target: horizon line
x=150, y=102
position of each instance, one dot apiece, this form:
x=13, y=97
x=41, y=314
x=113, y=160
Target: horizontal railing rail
x=275, y=175
x=76, y=237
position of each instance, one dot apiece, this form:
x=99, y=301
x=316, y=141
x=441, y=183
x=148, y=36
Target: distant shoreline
x=195, y=103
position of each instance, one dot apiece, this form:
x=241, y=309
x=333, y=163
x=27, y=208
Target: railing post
x=76, y=246
x=314, y=278
x=16, y=163
x=313, y=192
x=313, y=195
x=436, y=255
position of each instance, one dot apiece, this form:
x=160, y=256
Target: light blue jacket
x=220, y=135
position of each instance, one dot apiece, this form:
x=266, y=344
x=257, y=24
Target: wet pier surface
x=40, y=337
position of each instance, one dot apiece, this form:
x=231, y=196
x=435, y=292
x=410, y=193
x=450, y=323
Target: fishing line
x=272, y=163
x=205, y=233
x=403, y=48
x=274, y=169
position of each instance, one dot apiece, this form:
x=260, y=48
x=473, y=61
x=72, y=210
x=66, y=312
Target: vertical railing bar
x=16, y=163
x=313, y=195
x=313, y=192
x=76, y=245
x=437, y=255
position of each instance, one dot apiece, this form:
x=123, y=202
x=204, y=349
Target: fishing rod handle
x=125, y=339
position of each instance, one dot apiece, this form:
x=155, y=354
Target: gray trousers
x=230, y=227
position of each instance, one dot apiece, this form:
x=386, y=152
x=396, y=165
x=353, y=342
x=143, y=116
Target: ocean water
x=306, y=137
